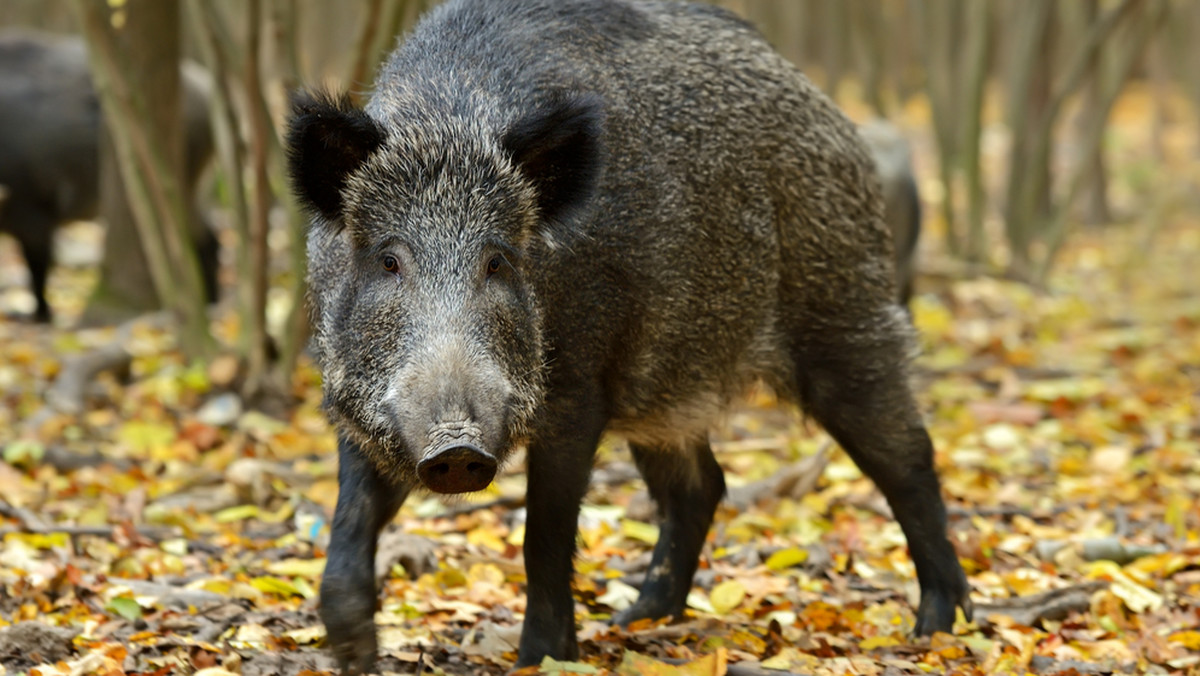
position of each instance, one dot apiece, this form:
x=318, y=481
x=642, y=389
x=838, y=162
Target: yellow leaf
x=39, y=540
x=633, y=664
x=727, y=596
x=486, y=536
x=143, y=437
x=637, y=530
x=297, y=567
x=275, y=585
x=787, y=558
x=1189, y=639
x=306, y=635
x=878, y=642
x=1137, y=598
x=517, y=537
x=238, y=513
x=792, y=659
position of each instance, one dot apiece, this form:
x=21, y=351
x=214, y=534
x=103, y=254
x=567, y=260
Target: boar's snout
x=457, y=468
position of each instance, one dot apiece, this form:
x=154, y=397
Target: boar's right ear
x=558, y=149
x=327, y=139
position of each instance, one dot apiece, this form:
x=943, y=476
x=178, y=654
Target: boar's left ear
x=327, y=139
x=558, y=149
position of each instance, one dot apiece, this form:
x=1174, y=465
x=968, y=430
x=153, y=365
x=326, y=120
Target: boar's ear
x=558, y=149
x=327, y=139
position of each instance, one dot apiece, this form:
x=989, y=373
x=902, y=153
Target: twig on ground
x=1006, y=512
x=1055, y=604
x=29, y=522
x=69, y=390
x=64, y=460
x=794, y=481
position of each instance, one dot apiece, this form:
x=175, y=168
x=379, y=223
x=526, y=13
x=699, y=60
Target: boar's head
x=422, y=262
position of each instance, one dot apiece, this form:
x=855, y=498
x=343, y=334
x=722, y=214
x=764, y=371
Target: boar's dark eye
x=391, y=264
x=493, y=265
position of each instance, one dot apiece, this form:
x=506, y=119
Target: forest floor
x=164, y=530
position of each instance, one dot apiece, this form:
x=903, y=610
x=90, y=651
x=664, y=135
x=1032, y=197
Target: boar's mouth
x=454, y=461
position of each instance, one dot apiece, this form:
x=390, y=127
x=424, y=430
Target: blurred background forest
x=1009, y=104
x=177, y=442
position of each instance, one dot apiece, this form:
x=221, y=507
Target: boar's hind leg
x=860, y=395
x=366, y=503
x=34, y=229
x=560, y=463
x=686, y=485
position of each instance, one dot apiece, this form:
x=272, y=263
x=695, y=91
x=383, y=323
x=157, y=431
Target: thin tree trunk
x=148, y=141
x=1028, y=216
x=216, y=50
x=126, y=287
x=939, y=76
x=1095, y=201
x=1159, y=82
x=833, y=45
x=284, y=20
x=974, y=78
x=870, y=38
x=368, y=27
x=296, y=327
x=260, y=130
x=1126, y=56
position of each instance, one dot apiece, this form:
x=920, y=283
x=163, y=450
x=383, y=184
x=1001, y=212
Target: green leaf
x=550, y=665
x=23, y=453
x=125, y=607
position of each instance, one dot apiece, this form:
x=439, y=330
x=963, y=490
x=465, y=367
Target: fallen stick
x=794, y=481
x=1055, y=604
x=30, y=523
x=69, y=390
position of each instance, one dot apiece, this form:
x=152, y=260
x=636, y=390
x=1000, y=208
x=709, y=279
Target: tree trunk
x=1031, y=218
x=938, y=28
x=972, y=82
x=1027, y=116
x=1096, y=209
x=872, y=42
x=1126, y=51
x=150, y=41
x=833, y=45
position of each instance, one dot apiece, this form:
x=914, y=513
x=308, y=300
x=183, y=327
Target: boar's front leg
x=366, y=503
x=560, y=463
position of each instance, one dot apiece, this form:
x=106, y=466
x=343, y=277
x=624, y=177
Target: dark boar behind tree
x=556, y=218
x=902, y=201
x=50, y=127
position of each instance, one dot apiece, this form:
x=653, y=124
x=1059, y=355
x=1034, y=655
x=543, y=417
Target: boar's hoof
x=460, y=468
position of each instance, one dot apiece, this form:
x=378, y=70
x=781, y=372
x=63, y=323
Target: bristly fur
x=327, y=139
x=558, y=148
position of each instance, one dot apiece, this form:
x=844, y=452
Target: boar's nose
x=457, y=468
